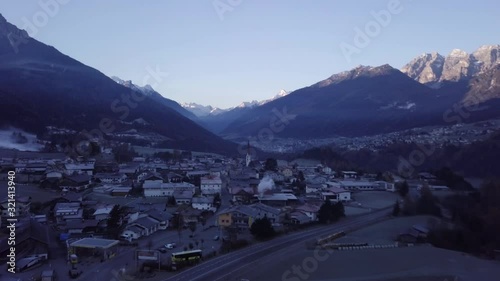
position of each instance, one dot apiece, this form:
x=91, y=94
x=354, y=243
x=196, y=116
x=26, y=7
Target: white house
x=103, y=212
x=313, y=187
x=111, y=178
x=183, y=197
x=341, y=194
x=210, y=185
x=167, y=189
x=203, y=203
x=68, y=211
x=358, y=185
x=327, y=170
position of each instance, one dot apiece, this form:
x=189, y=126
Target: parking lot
x=374, y=199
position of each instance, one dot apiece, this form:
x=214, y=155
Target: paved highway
x=222, y=267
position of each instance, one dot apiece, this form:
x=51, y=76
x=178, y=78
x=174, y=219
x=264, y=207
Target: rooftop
x=278, y=197
x=66, y=206
x=337, y=190
x=203, y=200
x=93, y=243
x=146, y=222
x=103, y=211
x=266, y=208
x=211, y=180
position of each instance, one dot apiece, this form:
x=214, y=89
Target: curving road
x=221, y=268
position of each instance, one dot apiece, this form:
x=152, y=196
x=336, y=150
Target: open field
x=36, y=193
x=384, y=232
x=375, y=199
x=417, y=263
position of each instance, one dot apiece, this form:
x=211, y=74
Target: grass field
x=417, y=263
x=149, y=151
x=384, y=232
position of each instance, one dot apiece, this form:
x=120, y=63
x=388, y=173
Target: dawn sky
x=224, y=52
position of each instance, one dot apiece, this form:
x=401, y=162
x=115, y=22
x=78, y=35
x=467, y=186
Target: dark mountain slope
x=365, y=100
x=39, y=87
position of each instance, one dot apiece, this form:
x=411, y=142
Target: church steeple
x=248, y=157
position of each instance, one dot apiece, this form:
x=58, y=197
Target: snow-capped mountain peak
x=458, y=53
x=202, y=110
x=146, y=90
x=280, y=94
x=458, y=65
x=205, y=110
x=248, y=104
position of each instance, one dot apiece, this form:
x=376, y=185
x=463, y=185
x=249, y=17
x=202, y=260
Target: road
x=221, y=268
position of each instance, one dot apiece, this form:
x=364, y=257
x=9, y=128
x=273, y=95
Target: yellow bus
x=192, y=256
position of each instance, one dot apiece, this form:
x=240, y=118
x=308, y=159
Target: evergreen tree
x=403, y=188
x=324, y=212
x=262, y=228
x=396, y=210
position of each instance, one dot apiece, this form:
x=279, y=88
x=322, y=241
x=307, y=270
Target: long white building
x=210, y=185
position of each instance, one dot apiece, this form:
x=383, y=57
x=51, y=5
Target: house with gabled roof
x=273, y=214
x=310, y=210
x=103, y=212
x=242, y=194
x=75, y=182
x=111, y=178
x=299, y=218
x=163, y=217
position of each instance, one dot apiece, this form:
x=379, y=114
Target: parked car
x=170, y=245
x=162, y=250
x=216, y=238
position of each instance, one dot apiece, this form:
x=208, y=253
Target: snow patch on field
x=28, y=142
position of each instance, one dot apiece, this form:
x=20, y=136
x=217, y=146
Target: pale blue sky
x=256, y=48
